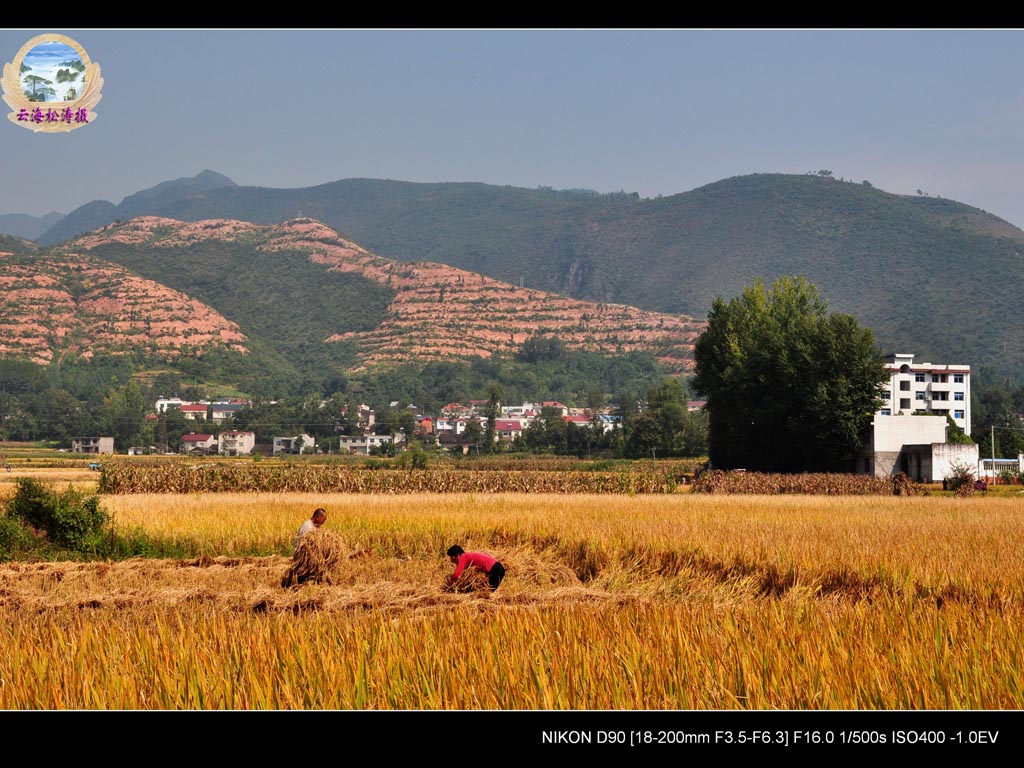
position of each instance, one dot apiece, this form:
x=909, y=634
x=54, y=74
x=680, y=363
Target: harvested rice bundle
x=903, y=485
x=470, y=580
x=317, y=558
x=538, y=569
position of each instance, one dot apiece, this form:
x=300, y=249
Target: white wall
x=944, y=455
x=891, y=433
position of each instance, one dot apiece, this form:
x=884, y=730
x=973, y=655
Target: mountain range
x=929, y=275
x=293, y=299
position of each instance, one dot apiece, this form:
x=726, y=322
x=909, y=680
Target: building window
x=940, y=395
x=904, y=386
x=904, y=403
x=939, y=378
x=958, y=378
x=886, y=395
x=919, y=395
x=958, y=395
x=958, y=414
x=885, y=412
x=918, y=377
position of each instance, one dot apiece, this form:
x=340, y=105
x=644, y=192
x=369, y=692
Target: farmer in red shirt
x=462, y=559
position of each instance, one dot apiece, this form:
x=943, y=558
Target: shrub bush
x=414, y=457
x=77, y=521
x=959, y=479
x=31, y=503
x=14, y=537
x=71, y=519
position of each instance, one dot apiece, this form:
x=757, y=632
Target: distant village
x=452, y=429
x=909, y=434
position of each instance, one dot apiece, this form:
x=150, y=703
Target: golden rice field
x=611, y=602
x=80, y=477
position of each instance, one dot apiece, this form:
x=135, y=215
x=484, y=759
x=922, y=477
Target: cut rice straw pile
x=319, y=557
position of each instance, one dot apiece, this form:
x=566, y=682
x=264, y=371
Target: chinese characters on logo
x=80, y=115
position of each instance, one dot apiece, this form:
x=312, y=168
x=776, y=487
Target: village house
x=198, y=443
x=365, y=444
x=163, y=403
x=235, y=443
x=222, y=410
x=563, y=410
x=450, y=426
x=194, y=411
x=294, y=445
x=526, y=412
x=508, y=430
x=456, y=443
x=92, y=445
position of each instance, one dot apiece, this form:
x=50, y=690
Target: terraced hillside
x=57, y=304
x=390, y=312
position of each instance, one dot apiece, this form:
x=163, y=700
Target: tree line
x=105, y=396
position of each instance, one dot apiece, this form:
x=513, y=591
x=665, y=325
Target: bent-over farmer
x=480, y=560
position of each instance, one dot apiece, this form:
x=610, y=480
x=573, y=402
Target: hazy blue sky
x=655, y=112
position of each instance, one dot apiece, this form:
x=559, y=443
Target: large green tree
x=789, y=386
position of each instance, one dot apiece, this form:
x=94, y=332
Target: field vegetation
x=679, y=601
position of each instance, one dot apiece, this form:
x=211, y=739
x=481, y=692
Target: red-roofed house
x=508, y=429
x=194, y=411
x=564, y=409
x=198, y=443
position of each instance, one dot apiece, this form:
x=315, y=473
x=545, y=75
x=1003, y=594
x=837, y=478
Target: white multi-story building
x=235, y=443
x=939, y=390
